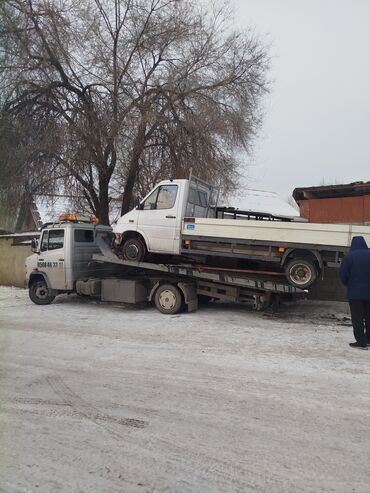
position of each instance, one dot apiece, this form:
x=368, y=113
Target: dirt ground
x=106, y=398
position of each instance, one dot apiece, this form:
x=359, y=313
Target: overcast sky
x=317, y=118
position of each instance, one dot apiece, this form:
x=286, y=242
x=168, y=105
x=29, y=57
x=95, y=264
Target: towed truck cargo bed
x=296, y=233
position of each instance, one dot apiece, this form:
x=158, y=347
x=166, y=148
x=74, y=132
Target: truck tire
x=134, y=250
x=168, y=299
x=301, y=273
x=40, y=294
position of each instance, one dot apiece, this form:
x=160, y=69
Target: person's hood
x=358, y=243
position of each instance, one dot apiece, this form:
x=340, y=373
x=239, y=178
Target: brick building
x=335, y=203
x=346, y=204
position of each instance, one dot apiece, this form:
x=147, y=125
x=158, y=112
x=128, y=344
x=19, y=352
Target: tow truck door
x=51, y=257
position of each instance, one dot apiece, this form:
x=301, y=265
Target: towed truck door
x=160, y=218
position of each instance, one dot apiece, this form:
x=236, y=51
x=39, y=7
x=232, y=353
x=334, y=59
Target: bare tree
x=26, y=146
x=136, y=90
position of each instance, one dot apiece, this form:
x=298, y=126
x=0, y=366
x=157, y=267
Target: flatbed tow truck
x=75, y=255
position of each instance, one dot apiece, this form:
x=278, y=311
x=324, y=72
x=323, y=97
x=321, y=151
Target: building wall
x=336, y=210
x=12, y=262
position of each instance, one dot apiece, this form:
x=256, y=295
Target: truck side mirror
x=34, y=245
x=139, y=205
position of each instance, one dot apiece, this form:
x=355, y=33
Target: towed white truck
x=74, y=255
x=180, y=218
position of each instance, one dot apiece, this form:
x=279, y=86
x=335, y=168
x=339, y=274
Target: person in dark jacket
x=355, y=275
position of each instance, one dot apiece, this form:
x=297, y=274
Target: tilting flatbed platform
x=200, y=282
x=263, y=281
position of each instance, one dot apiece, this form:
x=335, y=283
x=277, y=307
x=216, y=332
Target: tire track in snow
x=88, y=411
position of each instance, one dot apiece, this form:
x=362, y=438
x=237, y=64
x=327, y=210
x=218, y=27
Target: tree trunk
x=138, y=148
x=103, y=205
x=103, y=214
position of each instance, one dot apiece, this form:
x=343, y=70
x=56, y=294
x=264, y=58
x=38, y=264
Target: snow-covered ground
x=107, y=398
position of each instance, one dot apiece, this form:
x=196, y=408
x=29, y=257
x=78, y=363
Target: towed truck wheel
x=301, y=273
x=134, y=250
x=168, y=299
x=40, y=293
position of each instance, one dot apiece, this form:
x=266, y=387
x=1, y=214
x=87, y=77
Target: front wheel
x=134, y=250
x=168, y=299
x=301, y=273
x=40, y=294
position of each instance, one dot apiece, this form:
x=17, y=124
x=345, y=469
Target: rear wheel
x=134, y=250
x=40, y=294
x=168, y=299
x=301, y=273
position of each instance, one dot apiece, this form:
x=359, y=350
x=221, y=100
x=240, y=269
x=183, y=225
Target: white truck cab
x=63, y=255
x=155, y=224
